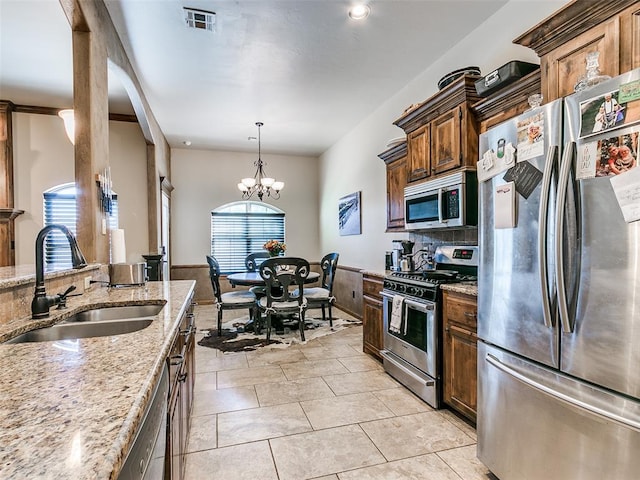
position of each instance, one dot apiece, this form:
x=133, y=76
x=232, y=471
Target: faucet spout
x=41, y=301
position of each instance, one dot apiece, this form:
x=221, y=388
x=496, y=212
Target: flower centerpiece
x=274, y=247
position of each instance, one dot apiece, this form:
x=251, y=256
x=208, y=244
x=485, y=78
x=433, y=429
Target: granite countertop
x=24, y=274
x=468, y=288
x=69, y=409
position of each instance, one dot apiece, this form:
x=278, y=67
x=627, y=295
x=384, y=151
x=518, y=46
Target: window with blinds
x=241, y=228
x=60, y=209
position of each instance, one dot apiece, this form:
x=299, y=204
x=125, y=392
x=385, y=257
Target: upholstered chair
x=281, y=276
x=322, y=296
x=231, y=300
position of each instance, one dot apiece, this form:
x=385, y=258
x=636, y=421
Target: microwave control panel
x=452, y=203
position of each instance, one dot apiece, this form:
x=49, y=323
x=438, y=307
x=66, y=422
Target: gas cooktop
x=454, y=265
x=433, y=276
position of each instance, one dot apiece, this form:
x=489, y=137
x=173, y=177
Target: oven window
x=422, y=209
x=416, y=327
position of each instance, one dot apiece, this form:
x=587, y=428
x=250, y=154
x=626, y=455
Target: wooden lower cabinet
x=460, y=353
x=182, y=381
x=372, y=330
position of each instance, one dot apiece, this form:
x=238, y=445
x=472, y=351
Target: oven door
x=417, y=342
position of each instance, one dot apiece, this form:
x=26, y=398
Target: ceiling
x=302, y=67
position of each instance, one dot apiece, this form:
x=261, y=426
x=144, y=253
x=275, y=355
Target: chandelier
x=260, y=184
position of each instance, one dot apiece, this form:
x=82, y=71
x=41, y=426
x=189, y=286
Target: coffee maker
x=402, y=256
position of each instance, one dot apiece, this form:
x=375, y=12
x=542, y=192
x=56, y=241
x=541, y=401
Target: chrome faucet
x=41, y=301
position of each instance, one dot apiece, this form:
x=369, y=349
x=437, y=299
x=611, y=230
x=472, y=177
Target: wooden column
x=91, y=107
x=7, y=212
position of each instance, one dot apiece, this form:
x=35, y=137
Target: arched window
x=60, y=208
x=240, y=228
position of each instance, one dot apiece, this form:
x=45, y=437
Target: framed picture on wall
x=349, y=221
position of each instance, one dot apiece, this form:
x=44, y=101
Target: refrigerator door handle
x=543, y=216
x=566, y=399
x=563, y=183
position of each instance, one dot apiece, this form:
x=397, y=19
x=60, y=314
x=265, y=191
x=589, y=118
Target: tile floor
x=323, y=410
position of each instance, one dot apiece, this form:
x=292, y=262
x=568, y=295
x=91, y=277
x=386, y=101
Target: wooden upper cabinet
x=565, y=65
x=419, y=154
x=507, y=102
x=446, y=149
x=396, y=160
x=441, y=132
x=563, y=41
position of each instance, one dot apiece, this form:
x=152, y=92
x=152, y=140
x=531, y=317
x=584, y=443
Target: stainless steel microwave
x=446, y=202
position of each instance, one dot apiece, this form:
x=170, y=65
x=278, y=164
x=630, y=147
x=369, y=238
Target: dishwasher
x=145, y=460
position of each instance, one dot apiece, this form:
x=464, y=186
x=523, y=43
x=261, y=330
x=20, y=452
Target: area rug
x=235, y=339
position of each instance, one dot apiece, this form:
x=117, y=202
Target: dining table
x=253, y=279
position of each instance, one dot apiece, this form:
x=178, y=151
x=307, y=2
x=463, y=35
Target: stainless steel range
x=412, y=305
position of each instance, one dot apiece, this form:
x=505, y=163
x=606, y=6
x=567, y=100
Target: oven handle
x=420, y=306
x=423, y=307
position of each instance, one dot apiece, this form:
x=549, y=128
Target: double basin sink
x=99, y=322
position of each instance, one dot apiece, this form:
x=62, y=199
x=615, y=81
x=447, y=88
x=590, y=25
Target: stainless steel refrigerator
x=559, y=290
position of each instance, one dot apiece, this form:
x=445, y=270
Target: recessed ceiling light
x=187, y=143
x=359, y=11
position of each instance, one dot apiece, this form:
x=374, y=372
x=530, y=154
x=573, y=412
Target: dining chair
x=252, y=262
x=231, y=300
x=322, y=296
x=281, y=275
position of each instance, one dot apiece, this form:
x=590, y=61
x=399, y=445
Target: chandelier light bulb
x=249, y=182
x=242, y=187
x=277, y=186
x=267, y=182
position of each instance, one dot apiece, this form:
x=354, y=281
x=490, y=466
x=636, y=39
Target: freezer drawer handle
x=573, y=402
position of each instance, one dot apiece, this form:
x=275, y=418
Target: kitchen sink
x=114, y=313
x=67, y=331
x=99, y=322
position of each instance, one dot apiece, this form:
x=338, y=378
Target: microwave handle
x=440, y=218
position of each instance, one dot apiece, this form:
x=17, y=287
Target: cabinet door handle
x=470, y=314
x=176, y=360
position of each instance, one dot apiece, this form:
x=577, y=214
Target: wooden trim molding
x=165, y=185
x=394, y=153
x=570, y=21
x=38, y=110
x=459, y=91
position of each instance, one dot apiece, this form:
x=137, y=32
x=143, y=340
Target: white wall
x=352, y=163
x=205, y=180
x=128, y=160
x=43, y=158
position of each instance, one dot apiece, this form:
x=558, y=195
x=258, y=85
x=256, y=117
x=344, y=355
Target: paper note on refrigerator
x=627, y=189
x=504, y=206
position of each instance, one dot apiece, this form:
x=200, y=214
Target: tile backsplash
x=431, y=239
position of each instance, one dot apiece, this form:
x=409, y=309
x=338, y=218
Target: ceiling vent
x=200, y=19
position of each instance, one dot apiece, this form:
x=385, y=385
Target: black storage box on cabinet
x=503, y=76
